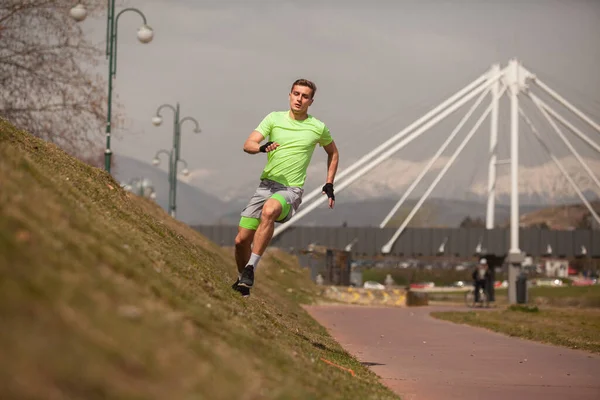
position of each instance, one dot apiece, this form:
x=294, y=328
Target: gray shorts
x=267, y=188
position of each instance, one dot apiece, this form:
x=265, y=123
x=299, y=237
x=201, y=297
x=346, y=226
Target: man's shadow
x=370, y=364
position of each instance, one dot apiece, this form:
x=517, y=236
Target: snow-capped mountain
x=203, y=199
x=547, y=182
x=541, y=184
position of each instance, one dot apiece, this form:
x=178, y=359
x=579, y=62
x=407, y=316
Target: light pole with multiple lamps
x=140, y=186
x=172, y=176
x=145, y=35
x=174, y=154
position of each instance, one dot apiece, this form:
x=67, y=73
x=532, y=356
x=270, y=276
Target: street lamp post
x=156, y=161
x=140, y=186
x=172, y=176
x=145, y=35
x=174, y=154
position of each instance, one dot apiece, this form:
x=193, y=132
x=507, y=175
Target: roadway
x=422, y=358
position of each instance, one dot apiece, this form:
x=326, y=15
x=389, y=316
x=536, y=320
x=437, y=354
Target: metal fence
x=415, y=242
x=333, y=266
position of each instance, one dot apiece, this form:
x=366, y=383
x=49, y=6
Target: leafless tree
x=47, y=83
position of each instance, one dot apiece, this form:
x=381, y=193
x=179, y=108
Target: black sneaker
x=244, y=291
x=247, y=277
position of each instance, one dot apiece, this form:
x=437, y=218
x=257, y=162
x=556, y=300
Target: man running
x=291, y=136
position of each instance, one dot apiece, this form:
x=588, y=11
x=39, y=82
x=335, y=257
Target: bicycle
x=470, y=298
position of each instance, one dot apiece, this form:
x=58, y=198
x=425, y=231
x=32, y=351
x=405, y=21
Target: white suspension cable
x=433, y=160
x=388, y=246
x=566, y=123
x=559, y=165
x=382, y=157
x=342, y=174
x=566, y=142
x=568, y=105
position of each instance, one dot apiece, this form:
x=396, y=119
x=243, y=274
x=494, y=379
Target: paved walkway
x=422, y=358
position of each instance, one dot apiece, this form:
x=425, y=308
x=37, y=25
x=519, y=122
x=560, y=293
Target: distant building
x=557, y=268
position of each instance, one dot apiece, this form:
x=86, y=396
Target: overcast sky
x=378, y=64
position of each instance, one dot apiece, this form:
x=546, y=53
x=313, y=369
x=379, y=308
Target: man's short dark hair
x=307, y=83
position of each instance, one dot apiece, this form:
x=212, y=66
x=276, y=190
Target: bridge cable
x=535, y=132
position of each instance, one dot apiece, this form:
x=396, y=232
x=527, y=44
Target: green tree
x=469, y=222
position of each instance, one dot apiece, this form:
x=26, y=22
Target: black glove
x=263, y=148
x=328, y=189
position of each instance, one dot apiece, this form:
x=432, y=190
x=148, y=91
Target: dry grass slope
x=561, y=217
x=102, y=295
x=567, y=327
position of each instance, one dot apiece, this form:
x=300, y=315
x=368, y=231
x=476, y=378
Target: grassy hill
x=102, y=295
x=562, y=217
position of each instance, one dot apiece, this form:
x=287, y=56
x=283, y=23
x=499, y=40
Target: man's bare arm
x=333, y=158
x=252, y=144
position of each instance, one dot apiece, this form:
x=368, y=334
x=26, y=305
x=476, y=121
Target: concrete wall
x=460, y=242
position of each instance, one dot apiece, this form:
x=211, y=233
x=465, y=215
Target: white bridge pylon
x=514, y=80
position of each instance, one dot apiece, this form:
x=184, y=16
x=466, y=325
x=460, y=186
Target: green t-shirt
x=297, y=140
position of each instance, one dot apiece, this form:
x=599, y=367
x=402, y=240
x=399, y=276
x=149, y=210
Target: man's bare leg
x=243, y=247
x=270, y=212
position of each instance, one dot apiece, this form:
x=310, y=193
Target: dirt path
x=422, y=358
